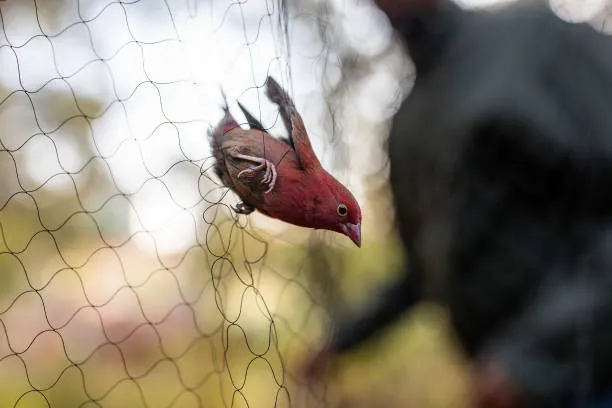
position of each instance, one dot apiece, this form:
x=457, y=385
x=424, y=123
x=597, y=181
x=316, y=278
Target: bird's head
x=339, y=211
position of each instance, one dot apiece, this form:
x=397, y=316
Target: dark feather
x=253, y=122
x=285, y=105
x=286, y=140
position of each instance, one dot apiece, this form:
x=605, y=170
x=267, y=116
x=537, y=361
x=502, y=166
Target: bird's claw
x=242, y=208
x=269, y=177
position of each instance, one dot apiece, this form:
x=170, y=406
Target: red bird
x=282, y=178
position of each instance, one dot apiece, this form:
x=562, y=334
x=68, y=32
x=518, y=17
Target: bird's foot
x=242, y=208
x=269, y=177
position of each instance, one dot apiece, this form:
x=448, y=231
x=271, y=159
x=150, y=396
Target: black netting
x=126, y=280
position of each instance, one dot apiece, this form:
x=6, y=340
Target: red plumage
x=282, y=178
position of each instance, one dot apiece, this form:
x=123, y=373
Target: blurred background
x=125, y=278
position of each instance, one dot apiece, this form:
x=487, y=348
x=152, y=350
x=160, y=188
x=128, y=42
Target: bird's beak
x=353, y=231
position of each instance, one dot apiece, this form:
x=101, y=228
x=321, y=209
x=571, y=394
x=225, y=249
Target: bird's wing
x=253, y=122
x=298, y=136
x=238, y=143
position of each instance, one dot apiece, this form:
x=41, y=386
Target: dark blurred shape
x=501, y=167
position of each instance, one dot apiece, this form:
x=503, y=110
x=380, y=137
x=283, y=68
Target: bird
x=281, y=178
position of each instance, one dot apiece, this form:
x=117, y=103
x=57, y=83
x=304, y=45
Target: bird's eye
x=342, y=210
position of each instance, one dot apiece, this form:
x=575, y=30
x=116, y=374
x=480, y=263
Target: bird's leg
x=269, y=177
x=242, y=208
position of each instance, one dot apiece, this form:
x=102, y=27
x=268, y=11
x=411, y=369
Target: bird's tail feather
x=225, y=106
x=215, y=137
x=226, y=124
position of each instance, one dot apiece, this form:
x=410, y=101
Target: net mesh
x=125, y=278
